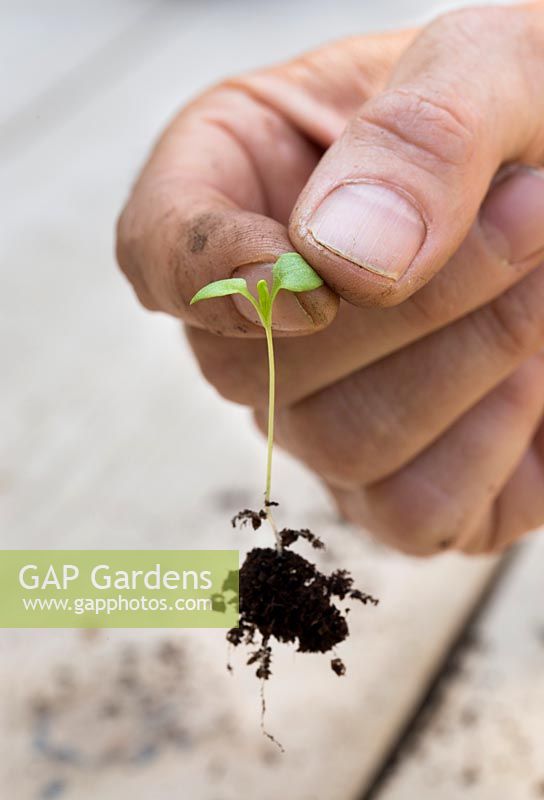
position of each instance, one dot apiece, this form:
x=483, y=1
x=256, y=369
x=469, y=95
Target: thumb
x=395, y=196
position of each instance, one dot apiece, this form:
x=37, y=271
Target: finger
x=321, y=90
x=207, y=205
x=375, y=421
x=430, y=504
x=496, y=254
x=395, y=196
x=517, y=510
x=219, y=187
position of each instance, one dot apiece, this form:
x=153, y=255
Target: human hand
x=381, y=159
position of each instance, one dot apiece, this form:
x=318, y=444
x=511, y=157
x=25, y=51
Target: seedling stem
x=291, y=273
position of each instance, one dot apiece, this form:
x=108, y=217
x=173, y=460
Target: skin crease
x=418, y=400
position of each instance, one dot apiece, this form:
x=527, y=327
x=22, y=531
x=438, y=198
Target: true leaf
x=264, y=298
x=293, y=273
x=222, y=289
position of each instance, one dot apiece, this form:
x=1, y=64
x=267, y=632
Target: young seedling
x=282, y=594
x=292, y=274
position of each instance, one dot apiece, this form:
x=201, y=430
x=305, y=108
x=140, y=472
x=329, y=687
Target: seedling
x=282, y=595
x=290, y=273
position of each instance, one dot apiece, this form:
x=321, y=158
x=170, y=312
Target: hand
x=381, y=159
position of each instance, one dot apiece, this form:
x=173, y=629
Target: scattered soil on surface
x=286, y=597
x=470, y=776
x=432, y=721
x=468, y=717
x=122, y=713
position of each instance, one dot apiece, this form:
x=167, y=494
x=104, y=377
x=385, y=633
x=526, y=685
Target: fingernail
x=288, y=313
x=512, y=216
x=371, y=225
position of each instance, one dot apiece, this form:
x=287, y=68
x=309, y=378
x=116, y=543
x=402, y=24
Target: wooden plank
x=41, y=45
x=483, y=734
x=100, y=411
x=74, y=52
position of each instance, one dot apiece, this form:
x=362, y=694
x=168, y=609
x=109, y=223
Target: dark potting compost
x=284, y=596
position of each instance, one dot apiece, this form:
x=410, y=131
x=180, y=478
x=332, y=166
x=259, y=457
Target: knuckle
x=474, y=27
x=437, y=127
x=510, y=324
x=359, y=508
x=345, y=432
x=400, y=523
x=515, y=392
x=413, y=516
x=470, y=31
x=313, y=434
x=127, y=251
x=469, y=23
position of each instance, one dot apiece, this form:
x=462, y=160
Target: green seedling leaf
x=265, y=301
x=222, y=289
x=291, y=272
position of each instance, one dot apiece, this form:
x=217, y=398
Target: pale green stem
x=271, y=413
x=271, y=403
x=266, y=321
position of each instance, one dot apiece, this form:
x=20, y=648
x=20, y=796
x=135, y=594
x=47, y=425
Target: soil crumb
x=289, y=537
x=338, y=666
x=248, y=516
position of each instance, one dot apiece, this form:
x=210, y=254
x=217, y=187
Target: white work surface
x=110, y=438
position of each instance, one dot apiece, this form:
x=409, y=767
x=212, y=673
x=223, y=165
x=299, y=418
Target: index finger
x=214, y=199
